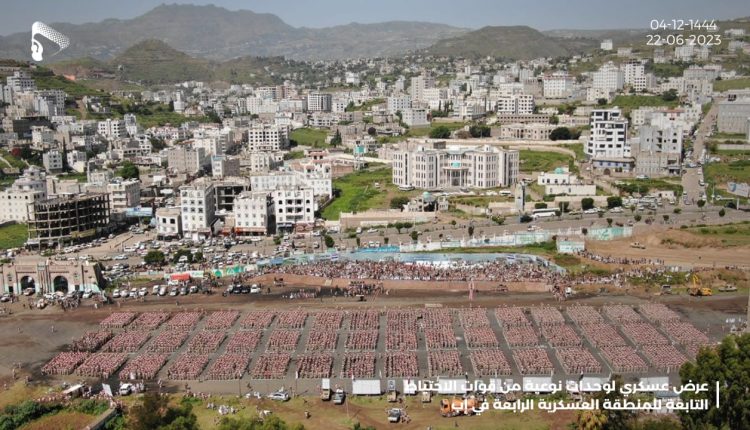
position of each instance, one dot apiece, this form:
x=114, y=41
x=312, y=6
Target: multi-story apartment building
x=112, y=128
x=319, y=102
x=398, y=103
x=515, y=104
x=634, y=73
x=198, y=210
x=254, y=213
x=224, y=166
x=53, y=160
x=608, y=78
x=558, y=85
x=21, y=81
x=124, y=194
x=168, y=223
x=658, y=150
x=293, y=206
x=419, y=84
x=267, y=138
x=188, y=160
x=26, y=189
x=320, y=183
x=414, y=117
x=608, y=138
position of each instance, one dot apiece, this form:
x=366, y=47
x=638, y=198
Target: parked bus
x=544, y=213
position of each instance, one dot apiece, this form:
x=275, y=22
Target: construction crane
x=698, y=290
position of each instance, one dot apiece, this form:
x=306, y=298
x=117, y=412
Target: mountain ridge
x=220, y=34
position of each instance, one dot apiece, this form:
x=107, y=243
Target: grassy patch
x=577, y=148
x=13, y=160
x=357, y=193
x=630, y=102
x=643, y=186
x=729, y=234
x=539, y=161
x=313, y=137
x=294, y=155
x=13, y=236
x=733, y=171
x=740, y=136
x=731, y=84
x=478, y=201
x=45, y=80
x=80, y=177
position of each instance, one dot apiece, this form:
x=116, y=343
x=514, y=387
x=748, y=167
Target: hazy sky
x=18, y=15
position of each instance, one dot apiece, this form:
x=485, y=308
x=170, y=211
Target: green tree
x=398, y=202
x=154, y=257
x=440, y=132
x=722, y=212
x=414, y=235
x=336, y=141
x=540, y=205
x=560, y=133
x=564, y=207
x=154, y=412
x=666, y=217
x=614, y=202
x=479, y=131
x=669, y=95
x=701, y=203
x=499, y=220
x=372, y=131
x=591, y=420
x=554, y=119
x=728, y=363
x=470, y=230
x=128, y=170
x=329, y=241
x=677, y=211
x=609, y=222
x=601, y=102
x=637, y=217
x=587, y=203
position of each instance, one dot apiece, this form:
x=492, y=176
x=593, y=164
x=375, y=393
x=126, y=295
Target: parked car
x=126, y=389
x=281, y=396
x=338, y=397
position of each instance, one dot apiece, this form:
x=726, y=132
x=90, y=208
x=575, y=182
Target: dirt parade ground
x=203, y=343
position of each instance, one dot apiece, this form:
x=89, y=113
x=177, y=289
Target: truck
x=325, y=389
x=392, y=392
x=638, y=245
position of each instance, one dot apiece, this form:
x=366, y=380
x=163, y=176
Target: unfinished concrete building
x=67, y=219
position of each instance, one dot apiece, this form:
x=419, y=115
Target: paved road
x=693, y=176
